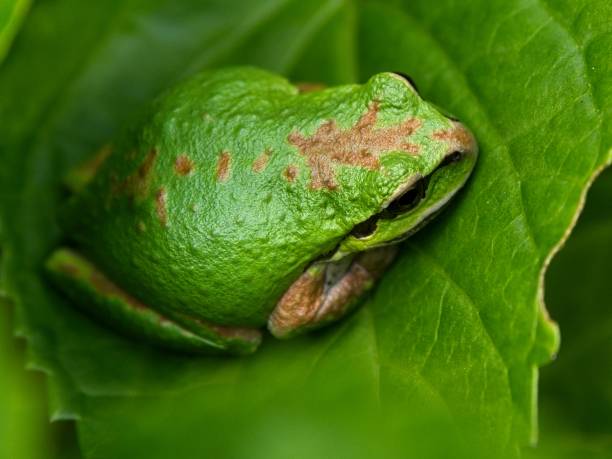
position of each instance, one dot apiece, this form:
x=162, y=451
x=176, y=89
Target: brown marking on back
x=183, y=165
x=136, y=185
x=223, y=166
x=141, y=227
x=458, y=138
x=290, y=173
x=160, y=206
x=144, y=171
x=261, y=161
x=357, y=146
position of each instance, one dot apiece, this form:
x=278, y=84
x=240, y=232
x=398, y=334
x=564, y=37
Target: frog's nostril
x=452, y=158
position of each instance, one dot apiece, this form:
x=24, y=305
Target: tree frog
x=239, y=201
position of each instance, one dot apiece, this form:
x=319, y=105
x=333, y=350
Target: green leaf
x=12, y=14
x=24, y=428
x=22, y=415
x=448, y=345
x=576, y=393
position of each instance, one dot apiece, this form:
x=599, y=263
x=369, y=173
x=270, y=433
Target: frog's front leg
x=327, y=291
x=89, y=287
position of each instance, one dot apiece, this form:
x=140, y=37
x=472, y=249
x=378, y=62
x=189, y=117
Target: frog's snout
x=461, y=141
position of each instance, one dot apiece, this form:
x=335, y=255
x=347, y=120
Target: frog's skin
x=240, y=201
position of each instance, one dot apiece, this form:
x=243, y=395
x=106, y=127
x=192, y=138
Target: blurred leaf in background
x=25, y=431
x=445, y=352
x=12, y=14
x=23, y=414
x=576, y=397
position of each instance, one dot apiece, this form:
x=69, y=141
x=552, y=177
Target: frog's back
x=209, y=170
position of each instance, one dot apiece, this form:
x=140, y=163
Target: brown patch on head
x=160, y=206
x=458, y=137
x=141, y=227
x=357, y=146
x=261, y=161
x=309, y=87
x=223, y=166
x=183, y=165
x=136, y=185
x=290, y=173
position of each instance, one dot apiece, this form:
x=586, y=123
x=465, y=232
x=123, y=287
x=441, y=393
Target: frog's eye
x=403, y=203
x=408, y=80
x=365, y=228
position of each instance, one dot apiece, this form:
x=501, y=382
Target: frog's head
x=435, y=157
x=403, y=162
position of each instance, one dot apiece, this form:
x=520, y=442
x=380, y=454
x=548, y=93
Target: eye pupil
x=366, y=227
x=403, y=203
x=408, y=200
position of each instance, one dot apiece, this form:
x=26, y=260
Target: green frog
x=240, y=201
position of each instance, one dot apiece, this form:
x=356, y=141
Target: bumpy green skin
x=209, y=209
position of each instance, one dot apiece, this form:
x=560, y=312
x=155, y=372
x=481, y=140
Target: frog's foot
x=89, y=287
x=327, y=291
